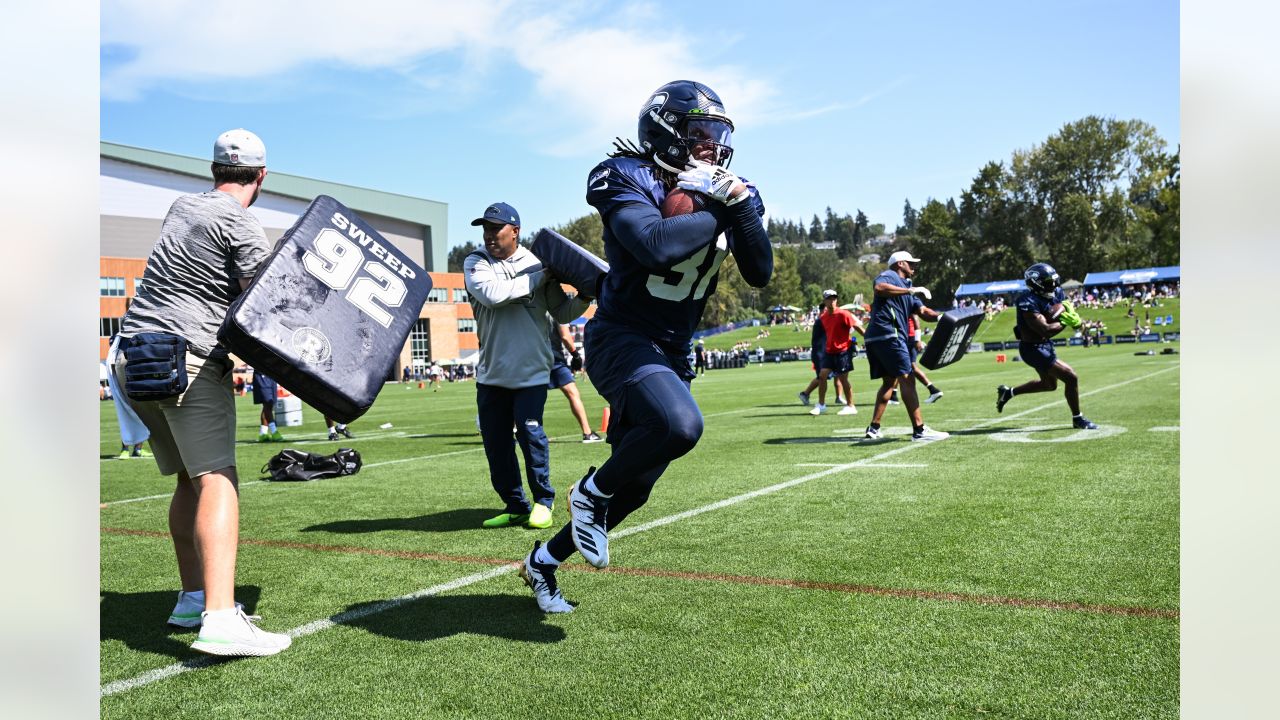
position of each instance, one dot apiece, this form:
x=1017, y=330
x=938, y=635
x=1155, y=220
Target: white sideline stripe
x=865, y=464
x=310, y=628
x=1165, y=428
x=156, y=675
x=368, y=465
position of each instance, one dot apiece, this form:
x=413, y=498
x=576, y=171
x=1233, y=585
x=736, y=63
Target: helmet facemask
x=706, y=138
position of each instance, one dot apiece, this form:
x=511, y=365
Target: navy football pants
x=658, y=422
x=499, y=409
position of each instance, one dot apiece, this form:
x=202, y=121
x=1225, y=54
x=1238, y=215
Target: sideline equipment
x=329, y=311
x=951, y=339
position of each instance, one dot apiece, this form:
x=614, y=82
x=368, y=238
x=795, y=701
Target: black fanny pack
x=155, y=366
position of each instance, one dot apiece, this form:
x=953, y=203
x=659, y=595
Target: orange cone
x=604, y=420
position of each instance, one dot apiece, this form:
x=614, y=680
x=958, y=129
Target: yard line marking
x=366, y=465
x=1165, y=428
x=318, y=625
x=865, y=465
x=310, y=628
x=1043, y=604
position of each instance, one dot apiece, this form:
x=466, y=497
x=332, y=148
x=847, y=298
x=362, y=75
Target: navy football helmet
x=681, y=116
x=1042, y=279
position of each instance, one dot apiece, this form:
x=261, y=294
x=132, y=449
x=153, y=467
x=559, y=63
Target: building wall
x=135, y=198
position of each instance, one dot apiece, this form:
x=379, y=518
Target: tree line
x=1100, y=194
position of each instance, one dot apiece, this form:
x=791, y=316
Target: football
x=680, y=202
x=1055, y=312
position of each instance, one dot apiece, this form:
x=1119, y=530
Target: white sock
x=273, y=427
x=542, y=557
x=590, y=486
x=340, y=426
x=262, y=430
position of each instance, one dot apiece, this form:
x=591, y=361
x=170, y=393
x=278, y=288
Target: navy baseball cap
x=499, y=212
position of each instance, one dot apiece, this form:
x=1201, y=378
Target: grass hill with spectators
x=999, y=328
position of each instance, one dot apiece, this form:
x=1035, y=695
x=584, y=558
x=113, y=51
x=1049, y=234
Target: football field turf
x=784, y=568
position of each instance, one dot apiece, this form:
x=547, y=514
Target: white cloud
x=589, y=67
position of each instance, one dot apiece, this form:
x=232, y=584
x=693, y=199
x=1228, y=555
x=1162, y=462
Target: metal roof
x=403, y=207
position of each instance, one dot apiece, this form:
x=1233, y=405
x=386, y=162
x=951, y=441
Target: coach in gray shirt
x=209, y=248
x=511, y=294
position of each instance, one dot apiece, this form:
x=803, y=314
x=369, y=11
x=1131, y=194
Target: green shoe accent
x=124, y=455
x=506, y=520
x=540, y=517
x=263, y=437
x=142, y=453
x=277, y=437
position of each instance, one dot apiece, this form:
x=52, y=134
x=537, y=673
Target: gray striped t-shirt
x=207, y=243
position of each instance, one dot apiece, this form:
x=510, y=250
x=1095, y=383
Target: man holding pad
x=886, y=340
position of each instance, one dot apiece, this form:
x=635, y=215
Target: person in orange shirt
x=838, y=358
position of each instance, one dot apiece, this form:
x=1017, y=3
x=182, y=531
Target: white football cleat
x=587, y=523
x=817, y=409
x=848, y=410
x=928, y=434
x=542, y=580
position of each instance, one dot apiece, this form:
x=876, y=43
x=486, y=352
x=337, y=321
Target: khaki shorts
x=195, y=431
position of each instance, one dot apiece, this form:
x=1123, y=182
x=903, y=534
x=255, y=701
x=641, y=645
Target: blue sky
x=852, y=105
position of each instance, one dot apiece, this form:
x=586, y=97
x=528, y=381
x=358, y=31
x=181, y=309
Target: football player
x=661, y=272
x=1039, y=319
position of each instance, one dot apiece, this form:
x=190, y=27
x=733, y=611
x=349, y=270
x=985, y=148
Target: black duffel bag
x=290, y=464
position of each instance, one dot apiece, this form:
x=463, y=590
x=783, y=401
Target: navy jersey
x=553, y=338
x=661, y=271
x=889, y=314
x=1030, y=303
x=818, y=343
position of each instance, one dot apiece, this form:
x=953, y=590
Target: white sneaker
x=848, y=410
x=928, y=434
x=232, y=633
x=817, y=409
x=873, y=433
x=587, y=520
x=187, y=612
x=542, y=580
x=933, y=398
x=894, y=401
x=804, y=398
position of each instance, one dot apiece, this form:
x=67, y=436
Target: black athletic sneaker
x=1083, y=423
x=345, y=433
x=1004, y=394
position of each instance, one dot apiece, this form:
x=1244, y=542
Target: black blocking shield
x=329, y=311
x=951, y=338
x=569, y=263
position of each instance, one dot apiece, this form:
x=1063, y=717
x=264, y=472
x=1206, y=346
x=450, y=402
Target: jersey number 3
x=336, y=261
x=690, y=272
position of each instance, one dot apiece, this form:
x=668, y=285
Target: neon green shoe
x=506, y=520
x=540, y=517
x=277, y=437
x=142, y=453
x=124, y=454
x=263, y=437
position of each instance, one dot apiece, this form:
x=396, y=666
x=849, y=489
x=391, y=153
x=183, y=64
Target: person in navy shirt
x=1039, y=319
x=661, y=272
x=817, y=350
x=886, y=340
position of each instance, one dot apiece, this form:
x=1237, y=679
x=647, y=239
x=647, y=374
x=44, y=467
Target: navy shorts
x=561, y=375
x=1040, y=356
x=817, y=356
x=838, y=363
x=264, y=390
x=618, y=356
x=888, y=358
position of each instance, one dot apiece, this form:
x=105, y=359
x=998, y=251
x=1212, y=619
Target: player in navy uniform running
x=661, y=272
x=1039, y=319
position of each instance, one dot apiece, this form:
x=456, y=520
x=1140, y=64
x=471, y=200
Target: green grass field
x=999, y=328
x=783, y=569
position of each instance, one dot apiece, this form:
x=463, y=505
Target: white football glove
x=713, y=181
x=922, y=291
